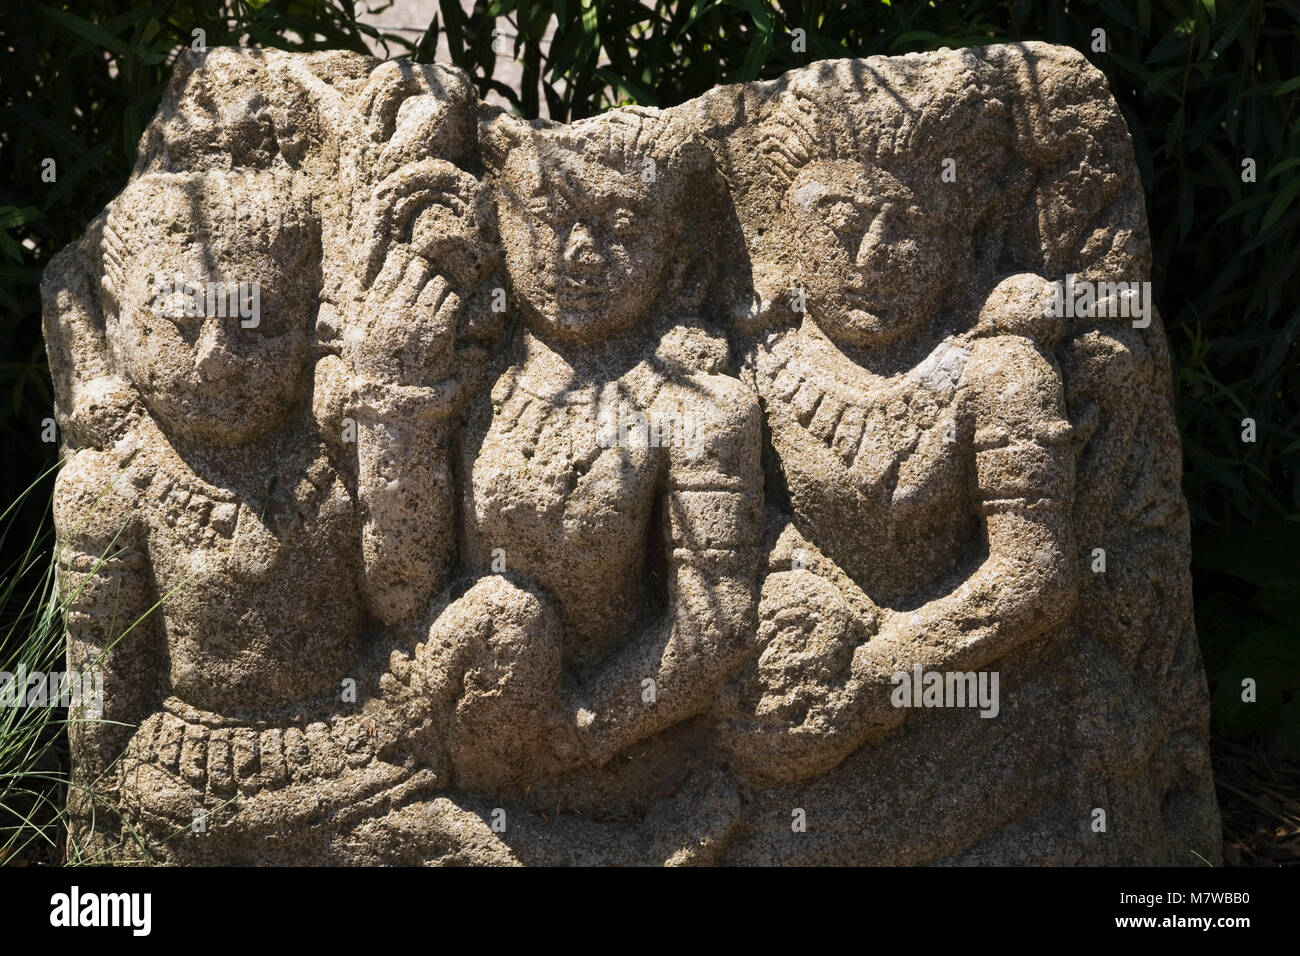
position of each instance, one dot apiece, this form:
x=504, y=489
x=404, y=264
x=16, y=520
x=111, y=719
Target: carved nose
x=214, y=360
x=581, y=247
x=872, y=243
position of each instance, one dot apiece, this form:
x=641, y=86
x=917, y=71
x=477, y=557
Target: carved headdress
x=645, y=142
x=892, y=115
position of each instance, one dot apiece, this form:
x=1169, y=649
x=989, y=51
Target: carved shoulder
x=95, y=504
x=1024, y=304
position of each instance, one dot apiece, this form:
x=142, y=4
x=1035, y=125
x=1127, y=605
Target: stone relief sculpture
x=610, y=335
x=633, y=491
x=954, y=437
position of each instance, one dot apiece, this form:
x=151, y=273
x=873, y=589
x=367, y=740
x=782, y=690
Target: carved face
x=587, y=246
x=874, y=257
x=208, y=377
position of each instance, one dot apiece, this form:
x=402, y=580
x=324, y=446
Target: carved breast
x=871, y=462
x=261, y=604
x=568, y=499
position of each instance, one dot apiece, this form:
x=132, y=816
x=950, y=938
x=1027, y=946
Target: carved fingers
x=407, y=330
x=810, y=698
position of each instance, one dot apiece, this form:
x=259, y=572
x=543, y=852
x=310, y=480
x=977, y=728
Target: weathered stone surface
x=597, y=493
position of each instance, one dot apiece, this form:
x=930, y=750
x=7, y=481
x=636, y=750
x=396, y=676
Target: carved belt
x=299, y=771
x=222, y=755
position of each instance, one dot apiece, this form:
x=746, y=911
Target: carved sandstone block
x=785, y=477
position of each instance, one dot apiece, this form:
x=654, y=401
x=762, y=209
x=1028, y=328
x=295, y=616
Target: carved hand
x=806, y=703
x=406, y=335
x=400, y=355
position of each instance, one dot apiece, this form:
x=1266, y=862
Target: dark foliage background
x=1203, y=84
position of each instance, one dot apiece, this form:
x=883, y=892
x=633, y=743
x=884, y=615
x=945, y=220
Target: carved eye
x=910, y=217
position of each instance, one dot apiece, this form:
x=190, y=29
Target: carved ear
x=93, y=404
x=498, y=135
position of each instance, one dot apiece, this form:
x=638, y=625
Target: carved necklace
x=823, y=394
x=209, y=515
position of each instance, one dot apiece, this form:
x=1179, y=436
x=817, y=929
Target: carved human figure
x=926, y=458
x=614, y=495
x=240, y=508
x=214, y=489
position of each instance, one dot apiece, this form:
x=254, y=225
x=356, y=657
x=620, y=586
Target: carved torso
x=544, y=490
x=292, y=634
x=870, y=462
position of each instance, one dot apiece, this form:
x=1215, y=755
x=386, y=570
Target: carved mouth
x=579, y=293
x=572, y=286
